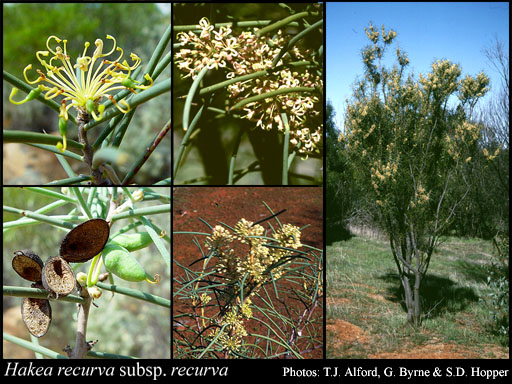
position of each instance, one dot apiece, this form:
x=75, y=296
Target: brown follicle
x=58, y=277
x=85, y=241
x=37, y=315
x=28, y=265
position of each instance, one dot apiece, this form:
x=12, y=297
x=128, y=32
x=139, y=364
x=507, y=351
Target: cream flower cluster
x=230, y=329
x=84, y=84
x=245, y=54
x=247, y=251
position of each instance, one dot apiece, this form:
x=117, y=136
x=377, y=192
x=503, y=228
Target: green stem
x=38, y=138
x=145, y=155
x=54, y=355
x=25, y=221
x=292, y=155
x=283, y=22
x=190, y=97
x=37, y=293
x=156, y=240
x=191, y=233
x=184, y=141
x=34, y=340
x=37, y=216
x=65, y=165
x=50, y=193
x=213, y=341
x=296, y=38
x=82, y=202
x=164, y=208
x=251, y=76
x=164, y=63
x=284, y=176
x=271, y=94
x=140, y=98
x=108, y=129
x=166, y=181
x=71, y=180
x=163, y=302
x=33, y=347
x=121, y=129
x=54, y=149
x=241, y=24
x=158, y=52
x=234, y=153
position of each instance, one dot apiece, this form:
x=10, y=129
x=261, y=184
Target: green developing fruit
x=121, y=263
x=133, y=241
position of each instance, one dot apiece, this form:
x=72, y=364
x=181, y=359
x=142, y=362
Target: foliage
x=343, y=196
x=407, y=142
x=116, y=321
x=498, y=280
x=109, y=146
x=269, y=88
x=485, y=211
x=335, y=166
x=255, y=294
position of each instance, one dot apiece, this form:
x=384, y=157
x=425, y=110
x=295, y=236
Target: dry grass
x=365, y=313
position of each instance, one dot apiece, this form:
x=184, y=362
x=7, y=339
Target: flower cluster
x=247, y=251
x=421, y=197
x=231, y=331
x=245, y=54
x=84, y=83
x=443, y=80
x=490, y=157
x=471, y=88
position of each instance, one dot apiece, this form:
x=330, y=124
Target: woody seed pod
x=37, y=315
x=28, y=265
x=58, y=277
x=85, y=241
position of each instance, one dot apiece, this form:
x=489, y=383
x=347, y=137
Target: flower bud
x=81, y=277
x=94, y=292
x=89, y=105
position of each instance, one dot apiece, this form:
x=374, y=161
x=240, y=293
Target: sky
x=426, y=32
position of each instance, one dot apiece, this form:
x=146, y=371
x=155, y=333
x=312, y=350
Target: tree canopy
x=408, y=139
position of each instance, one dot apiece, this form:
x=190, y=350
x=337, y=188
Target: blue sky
x=426, y=32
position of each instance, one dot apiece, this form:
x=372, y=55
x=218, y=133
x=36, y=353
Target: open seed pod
x=85, y=241
x=28, y=265
x=37, y=315
x=58, y=277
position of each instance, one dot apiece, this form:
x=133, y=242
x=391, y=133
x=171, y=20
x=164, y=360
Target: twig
x=149, y=150
x=111, y=173
x=81, y=345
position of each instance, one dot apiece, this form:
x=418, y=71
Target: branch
x=81, y=345
x=87, y=150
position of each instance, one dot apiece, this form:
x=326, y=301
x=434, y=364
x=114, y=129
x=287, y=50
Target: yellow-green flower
x=85, y=83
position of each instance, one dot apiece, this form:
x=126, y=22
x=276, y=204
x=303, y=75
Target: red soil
x=304, y=205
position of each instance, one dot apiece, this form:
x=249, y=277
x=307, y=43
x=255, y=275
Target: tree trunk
x=408, y=299
x=417, y=306
x=412, y=299
x=409, y=269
